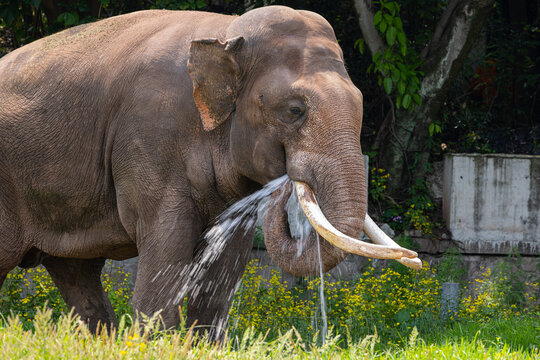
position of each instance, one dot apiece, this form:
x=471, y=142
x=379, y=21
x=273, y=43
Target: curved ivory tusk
x=313, y=212
x=379, y=237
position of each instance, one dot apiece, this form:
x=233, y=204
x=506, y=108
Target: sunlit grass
x=384, y=313
x=68, y=338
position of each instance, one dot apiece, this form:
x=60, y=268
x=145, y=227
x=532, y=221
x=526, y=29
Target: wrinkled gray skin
x=128, y=136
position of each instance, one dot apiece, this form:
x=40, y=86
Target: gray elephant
x=128, y=136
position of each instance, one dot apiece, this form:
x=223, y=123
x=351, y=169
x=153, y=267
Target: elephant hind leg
x=79, y=282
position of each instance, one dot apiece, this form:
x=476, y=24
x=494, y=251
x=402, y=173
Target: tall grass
x=376, y=314
x=68, y=338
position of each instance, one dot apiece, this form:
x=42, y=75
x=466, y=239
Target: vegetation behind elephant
x=129, y=135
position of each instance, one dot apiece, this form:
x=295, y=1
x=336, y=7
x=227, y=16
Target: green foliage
x=451, y=268
x=68, y=18
x=389, y=300
x=420, y=208
x=378, y=179
x=27, y=290
x=24, y=18
x=416, y=212
x=117, y=284
x=258, y=238
x=397, y=65
x=393, y=301
x=179, y=4
x=493, y=104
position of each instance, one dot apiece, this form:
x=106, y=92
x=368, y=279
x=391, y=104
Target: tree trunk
x=405, y=151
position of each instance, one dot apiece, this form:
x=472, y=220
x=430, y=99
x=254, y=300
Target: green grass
x=67, y=338
x=517, y=333
x=387, y=314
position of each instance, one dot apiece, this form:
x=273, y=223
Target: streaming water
x=300, y=230
x=239, y=218
x=321, y=293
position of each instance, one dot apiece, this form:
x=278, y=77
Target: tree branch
x=441, y=26
x=455, y=34
x=365, y=20
x=449, y=50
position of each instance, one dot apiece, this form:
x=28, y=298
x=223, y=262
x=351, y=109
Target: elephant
x=127, y=136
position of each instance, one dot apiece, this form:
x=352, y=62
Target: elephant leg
x=11, y=241
x=210, y=299
x=160, y=288
x=79, y=282
x=165, y=254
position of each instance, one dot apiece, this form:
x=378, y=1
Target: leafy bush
x=452, y=267
x=381, y=299
x=26, y=290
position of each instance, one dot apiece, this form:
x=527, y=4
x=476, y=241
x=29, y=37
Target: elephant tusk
x=313, y=212
x=379, y=237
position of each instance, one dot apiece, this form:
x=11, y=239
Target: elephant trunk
x=344, y=206
x=340, y=187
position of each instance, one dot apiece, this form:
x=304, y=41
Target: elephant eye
x=296, y=110
x=293, y=111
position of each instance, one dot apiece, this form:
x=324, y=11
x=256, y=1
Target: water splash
x=300, y=230
x=298, y=223
x=238, y=218
x=321, y=293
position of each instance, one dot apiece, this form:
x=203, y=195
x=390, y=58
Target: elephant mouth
x=383, y=247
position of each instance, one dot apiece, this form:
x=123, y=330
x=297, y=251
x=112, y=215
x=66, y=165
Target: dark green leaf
x=9, y=14
x=403, y=316
x=392, y=7
x=402, y=39
x=406, y=101
x=377, y=18
x=417, y=99
x=72, y=18
x=391, y=35
x=387, y=85
x=382, y=26
x=395, y=75
x=403, y=50
x=360, y=44
x=401, y=87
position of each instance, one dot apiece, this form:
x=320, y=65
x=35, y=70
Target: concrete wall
x=491, y=203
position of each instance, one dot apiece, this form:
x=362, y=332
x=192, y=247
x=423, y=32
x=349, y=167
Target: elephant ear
x=215, y=75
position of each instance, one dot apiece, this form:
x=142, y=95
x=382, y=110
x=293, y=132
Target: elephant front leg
x=165, y=254
x=210, y=298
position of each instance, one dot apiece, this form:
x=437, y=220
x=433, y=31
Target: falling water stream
x=321, y=293
x=300, y=230
x=241, y=216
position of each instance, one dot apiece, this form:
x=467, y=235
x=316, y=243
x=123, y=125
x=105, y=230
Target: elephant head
x=279, y=86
